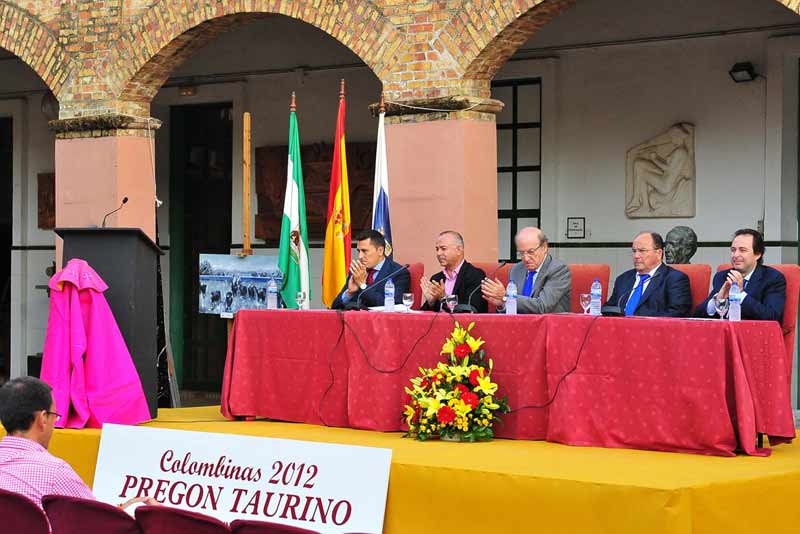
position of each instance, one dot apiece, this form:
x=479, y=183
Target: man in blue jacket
x=372, y=268
x=651, y=288
x=763, y=288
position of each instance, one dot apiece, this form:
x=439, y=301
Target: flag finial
x=341, y=90
x=383, y=104
x=293, y=105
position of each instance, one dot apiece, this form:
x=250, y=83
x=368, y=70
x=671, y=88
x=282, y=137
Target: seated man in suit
x=651, y=288
x=372, y=268
x=543, y=282
x=763, y=288
x=457, y=277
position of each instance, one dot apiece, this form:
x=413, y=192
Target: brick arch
x=171, y=30
x=794, y=5
x=483, y=35
x=34, y=43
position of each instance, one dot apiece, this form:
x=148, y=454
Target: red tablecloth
x=661, y=384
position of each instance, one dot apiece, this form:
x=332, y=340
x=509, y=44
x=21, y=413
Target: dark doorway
x=201, y=142
x=6, y=194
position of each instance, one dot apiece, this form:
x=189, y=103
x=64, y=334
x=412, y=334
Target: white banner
x=324, y=487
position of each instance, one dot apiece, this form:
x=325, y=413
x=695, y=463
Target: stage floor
x=531, y=486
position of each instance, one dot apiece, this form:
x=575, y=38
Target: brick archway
x=171, y=30
x=31, y=41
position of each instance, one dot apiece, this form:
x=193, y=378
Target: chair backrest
x=416, y=270
x=501, y=274
x=71, y=515
x=247, y=526
x=583, y=274
x=166, y=520
x=699, y=280
x=20, y=514
x=791, y=272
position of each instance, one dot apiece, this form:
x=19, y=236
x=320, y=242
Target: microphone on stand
x=351, y=306
x=468, y=307
x=124, y=201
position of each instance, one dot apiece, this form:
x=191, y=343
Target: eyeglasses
x=528, y=253
x=58, y=415
x=641, y=251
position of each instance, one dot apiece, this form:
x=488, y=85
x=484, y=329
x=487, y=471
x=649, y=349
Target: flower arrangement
x=455, y=400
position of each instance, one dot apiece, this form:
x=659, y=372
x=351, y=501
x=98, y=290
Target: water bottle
x=597, y=297
x=272, y=295
x=735, y=303
x=388, y=296
x=511, y=298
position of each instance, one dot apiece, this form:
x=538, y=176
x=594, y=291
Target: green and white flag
x=293, y=260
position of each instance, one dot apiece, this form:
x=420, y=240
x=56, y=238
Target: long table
x=699, y=386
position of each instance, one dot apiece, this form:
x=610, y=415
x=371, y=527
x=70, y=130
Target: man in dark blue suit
x=651, y=288
x=763, y=288
x=372, y=268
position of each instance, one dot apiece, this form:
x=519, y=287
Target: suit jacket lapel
x=655, y=282
x=541, y=272
x=460, y=278
x=754, y=285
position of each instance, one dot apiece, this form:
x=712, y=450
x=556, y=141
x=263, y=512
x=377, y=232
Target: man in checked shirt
x=28, y=414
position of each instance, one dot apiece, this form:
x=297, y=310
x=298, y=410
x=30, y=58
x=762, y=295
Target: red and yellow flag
x=338, y=238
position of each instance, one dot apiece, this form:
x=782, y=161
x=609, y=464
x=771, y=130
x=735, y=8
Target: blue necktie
x=744, y=284
x=633, y=302
x=527, y=289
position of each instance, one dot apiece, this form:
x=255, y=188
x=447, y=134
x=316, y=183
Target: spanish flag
x=338, y=239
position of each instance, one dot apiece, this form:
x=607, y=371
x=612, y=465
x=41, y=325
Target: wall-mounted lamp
x=743, y=72
x=187, y=90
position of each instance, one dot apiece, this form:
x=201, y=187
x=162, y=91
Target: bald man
x=457, y=277
x=543, y=282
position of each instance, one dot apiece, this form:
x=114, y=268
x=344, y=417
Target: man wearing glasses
x=28, y=414
x=543, y=282
x=651, y=288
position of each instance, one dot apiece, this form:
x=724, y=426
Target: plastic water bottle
x=735, y=303
x=388, y=296
x=272, y=295
x=597, y=297
x=511, y=298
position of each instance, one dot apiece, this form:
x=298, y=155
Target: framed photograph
x=232, y=283
x=576, y=227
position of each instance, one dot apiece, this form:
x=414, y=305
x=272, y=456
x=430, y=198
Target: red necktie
x=370, y=276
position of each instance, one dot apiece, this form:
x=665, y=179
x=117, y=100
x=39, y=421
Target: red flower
x=463, y=350
x=424, y=383
x=473, y=376
x=461, y=388
x=415, y=418
x=446, y=415
x=470, y=398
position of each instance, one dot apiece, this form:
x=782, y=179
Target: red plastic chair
x=501, y=274
x=247, y=526
x=789, y=325
x=166, y=520
x=416, y=270
x=20, y=514
x=71, y=515
x=583, y=274
x=699, y=280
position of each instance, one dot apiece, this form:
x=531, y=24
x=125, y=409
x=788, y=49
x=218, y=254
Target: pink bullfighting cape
x=85, y=359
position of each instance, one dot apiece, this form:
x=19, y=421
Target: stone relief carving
x=680, y=245
x=660, y=175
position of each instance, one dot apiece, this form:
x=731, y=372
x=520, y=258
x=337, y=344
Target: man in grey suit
x=543, y=282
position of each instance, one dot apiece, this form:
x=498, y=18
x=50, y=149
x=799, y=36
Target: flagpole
x=246, y=250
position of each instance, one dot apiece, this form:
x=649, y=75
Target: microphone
x=350, y=306
x=124, y=201
x=468, y=307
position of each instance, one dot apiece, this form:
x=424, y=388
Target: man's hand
x=432, y=291
x=146, y=500
x=733, y=276
x=493, y=291
x=358, y=276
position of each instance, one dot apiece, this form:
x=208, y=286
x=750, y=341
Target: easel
x=246, y=247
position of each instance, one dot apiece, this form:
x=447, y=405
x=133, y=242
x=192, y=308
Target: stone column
x=443, y=176
x=99, y=161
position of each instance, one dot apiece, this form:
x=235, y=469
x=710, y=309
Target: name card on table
x=324, y=487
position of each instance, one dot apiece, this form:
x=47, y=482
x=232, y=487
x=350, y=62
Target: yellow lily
x=474, y=344
x=486, y=386
x=431, y=405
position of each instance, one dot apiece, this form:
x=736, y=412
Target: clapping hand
x=493, y=291
x=432, y=291
x=733, y=276
x=358, y=276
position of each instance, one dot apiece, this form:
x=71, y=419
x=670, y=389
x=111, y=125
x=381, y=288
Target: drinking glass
x=722, y=307
x=408, y=300
x=586, y=301
x=300, y=299
x=451, y=301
